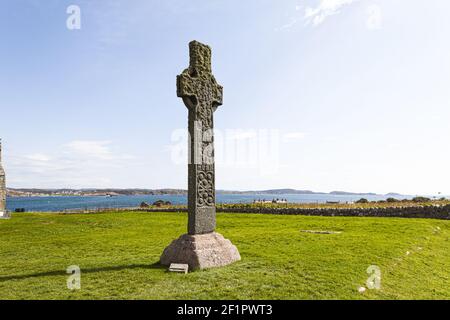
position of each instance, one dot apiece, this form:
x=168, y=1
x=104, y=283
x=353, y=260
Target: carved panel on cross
x=205, y=114
x=205, y=186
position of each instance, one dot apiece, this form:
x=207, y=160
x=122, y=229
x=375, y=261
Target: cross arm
x=217, y=94
x=185, y=85
x=186, y=89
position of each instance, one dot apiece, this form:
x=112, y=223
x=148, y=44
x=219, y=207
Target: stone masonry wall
x=431, y=212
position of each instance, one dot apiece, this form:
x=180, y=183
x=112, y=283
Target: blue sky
x=323, y=95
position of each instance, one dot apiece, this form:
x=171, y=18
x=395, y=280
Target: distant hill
x=12, y=192
x=270, y=191
x=343, y=193
x=91, y=192
x=393, y=194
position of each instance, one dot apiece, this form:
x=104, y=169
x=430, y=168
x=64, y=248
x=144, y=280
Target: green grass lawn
x=118, y=255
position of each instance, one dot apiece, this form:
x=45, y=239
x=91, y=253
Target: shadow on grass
x=155, y=265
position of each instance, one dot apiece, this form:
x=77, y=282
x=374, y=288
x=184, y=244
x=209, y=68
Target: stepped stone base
x=201, y=251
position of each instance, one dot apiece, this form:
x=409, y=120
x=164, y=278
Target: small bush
x=391, y=200
x=161, y=203
x=362, y=200
x=421, y=199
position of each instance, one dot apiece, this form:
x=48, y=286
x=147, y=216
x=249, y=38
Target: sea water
x=59, y=203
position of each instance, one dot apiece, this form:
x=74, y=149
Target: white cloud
x=39, y=157
x=314, y=15
x=288, y=25
x=77, y=164
x=91, y=149
x=292, y=20
x=325, y=8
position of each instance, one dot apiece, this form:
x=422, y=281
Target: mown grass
x=118, y=255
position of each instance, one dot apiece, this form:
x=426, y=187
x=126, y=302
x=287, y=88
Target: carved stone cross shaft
x=202, y=247
x=202, y=95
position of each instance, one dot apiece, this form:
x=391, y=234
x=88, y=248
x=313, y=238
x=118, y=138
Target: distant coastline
x=35, y=192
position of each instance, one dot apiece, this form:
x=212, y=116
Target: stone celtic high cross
x=201, y=95
x=201, y=247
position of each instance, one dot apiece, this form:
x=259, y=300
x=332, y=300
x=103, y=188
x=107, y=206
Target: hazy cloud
x=40, y=157
x=79, y=163
x=325, y=8
x=314, y=15
x=93, y=149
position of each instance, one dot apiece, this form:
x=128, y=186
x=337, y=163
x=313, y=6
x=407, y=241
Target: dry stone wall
x=431, y=212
